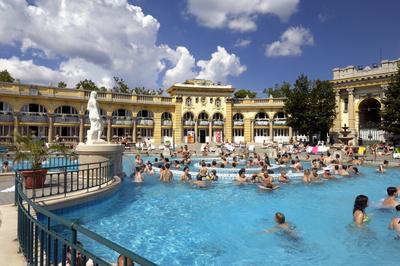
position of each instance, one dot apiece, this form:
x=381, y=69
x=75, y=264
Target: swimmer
x=149, y=168
x=343, y=171
x=391, y=201
x=213, y=175
x=327, y=174
x=381, y=168
x=359, y=215
x=186, y=176
x=395, y=223
x=307, y=176
x=138, y=175
x=282, y=225
x=241, y=177
x=166, y=175
x=283, y=178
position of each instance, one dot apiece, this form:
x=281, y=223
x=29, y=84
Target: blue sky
x=167, y=41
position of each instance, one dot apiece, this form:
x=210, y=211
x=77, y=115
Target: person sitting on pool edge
x=391, y=201
x=186, y=176
x=395, y=223
x=121, y=260
x=359, y=215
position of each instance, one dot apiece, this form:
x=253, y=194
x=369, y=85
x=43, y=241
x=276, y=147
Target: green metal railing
x=42, y=245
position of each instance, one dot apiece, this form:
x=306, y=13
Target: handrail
x=40, y=244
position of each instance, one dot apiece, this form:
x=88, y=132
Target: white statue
x=96, y=124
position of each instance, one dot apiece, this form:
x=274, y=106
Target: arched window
x=33, y=108
x=238, y=117
x=121, y=113
x=203, y=116
x=188, y=119
x=262, y=119
x=166, y=119
x=145, y=114
x=5, y=107
x=66, y=110
x=218, y=117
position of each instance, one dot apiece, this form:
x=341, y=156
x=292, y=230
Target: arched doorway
x=369, y=120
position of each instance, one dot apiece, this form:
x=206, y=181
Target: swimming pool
x=174, y=224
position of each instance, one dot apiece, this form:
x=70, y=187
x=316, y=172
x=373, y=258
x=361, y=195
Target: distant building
x=359, y=91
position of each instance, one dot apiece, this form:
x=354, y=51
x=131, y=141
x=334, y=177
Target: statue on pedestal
x=96, y=123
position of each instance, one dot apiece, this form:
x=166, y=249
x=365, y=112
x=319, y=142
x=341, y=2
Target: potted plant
x=35, y=151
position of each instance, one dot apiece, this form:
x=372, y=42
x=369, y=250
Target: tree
x=87, y=84
x=245, y=93
x=310, y=106
x=62, y=84
x=121, y=86
x=391, y=103
x=6, y=77
x=144, y=91
x=278, y=91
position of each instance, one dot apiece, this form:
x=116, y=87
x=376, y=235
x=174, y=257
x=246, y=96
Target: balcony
x=218, y=122
x=59, y=118
x=34, y=117
x=280, y=122
x=122, y=120
x=261, y=122
x=204, y=122
x=6, y=117
x=145, y=122
x=189, y=123
x=238, y=123
x=166, y=122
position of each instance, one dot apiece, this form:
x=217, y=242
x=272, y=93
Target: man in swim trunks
x=166, y=175
x=391, y=200
x=395, y=223
x=241, y=177
x=283, y=178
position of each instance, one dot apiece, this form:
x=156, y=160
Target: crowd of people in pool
x=326, y=166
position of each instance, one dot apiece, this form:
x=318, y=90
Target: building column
x=51, y=125
x=195, y=130
x=81, y=127
x=271, y=131
x=228, y=121
x=351, y=108
x=177, y=121
x=247, y=130
x=134, y=130
x=157, y=128
x=337, y=123
x=252, y=130
x=109, y=126
x=210, y=131
x=16, y=125
x=290, y=133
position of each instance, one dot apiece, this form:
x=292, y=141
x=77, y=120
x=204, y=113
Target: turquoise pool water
x=174, y=224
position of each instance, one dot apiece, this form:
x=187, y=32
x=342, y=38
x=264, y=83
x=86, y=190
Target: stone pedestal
x=99, y=152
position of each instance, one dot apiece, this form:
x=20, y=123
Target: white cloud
x=220, y=66
x=28, y=70
x=242, y=43
x=291, y=42
x=183, y=70
x=239, y=15
x=94, y=40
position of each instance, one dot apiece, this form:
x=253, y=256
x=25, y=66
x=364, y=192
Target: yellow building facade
x=196, y=111
x=359, y=93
